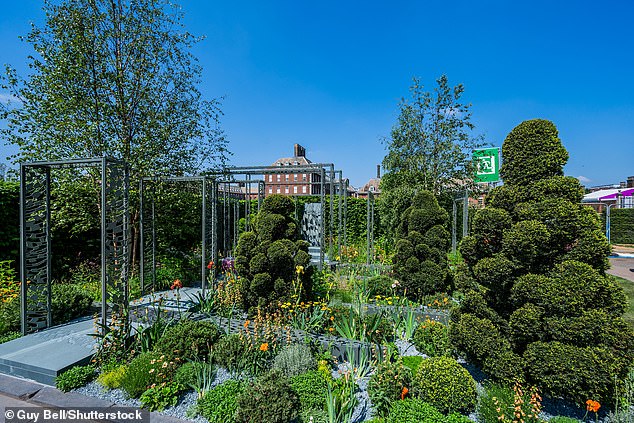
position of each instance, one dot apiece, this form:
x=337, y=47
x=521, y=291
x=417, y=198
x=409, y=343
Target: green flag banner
x=487, y=161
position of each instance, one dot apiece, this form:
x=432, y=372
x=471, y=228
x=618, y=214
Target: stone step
x=43, y=355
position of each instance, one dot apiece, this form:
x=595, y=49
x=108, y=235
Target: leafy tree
x=431, y=143
x=116, y=78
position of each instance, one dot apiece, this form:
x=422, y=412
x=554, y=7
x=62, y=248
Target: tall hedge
x=545, y=310
x=10, y=218
x=621, y=226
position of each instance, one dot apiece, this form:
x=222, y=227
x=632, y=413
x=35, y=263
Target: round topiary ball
x=446, y=385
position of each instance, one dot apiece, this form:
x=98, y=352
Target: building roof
x=605, y=194
x=292, y=161
x=371, y=186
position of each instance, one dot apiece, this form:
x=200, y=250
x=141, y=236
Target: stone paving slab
x=52, y=397
x=43, y=355
x=18, y=388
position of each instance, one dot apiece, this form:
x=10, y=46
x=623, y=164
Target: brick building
x=294, y=183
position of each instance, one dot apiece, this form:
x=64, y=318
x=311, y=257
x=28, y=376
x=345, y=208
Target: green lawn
x=628, y=287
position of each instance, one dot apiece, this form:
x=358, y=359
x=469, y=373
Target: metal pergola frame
x=35, y=239
x=315, y=168
x=209, y=221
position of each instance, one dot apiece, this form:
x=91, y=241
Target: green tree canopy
x=117, y=78
x=432, y=141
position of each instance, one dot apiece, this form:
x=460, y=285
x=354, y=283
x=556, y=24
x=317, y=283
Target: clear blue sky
x=329, y=74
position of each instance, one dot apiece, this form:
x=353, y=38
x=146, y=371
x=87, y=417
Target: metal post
x=23, y=279
x=345, y=215
x=141, y=239
x=49, y=249
x=332, y=208
x=322, y=219
x=153, y=236
x=104, y=274
x=465, y=214
x=214, y=222
x=608, y=228
x=339, y=211
x=203, y=252
x=453, y=226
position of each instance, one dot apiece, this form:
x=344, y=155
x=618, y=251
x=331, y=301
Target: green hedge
x=9, y=216
x=621, y=226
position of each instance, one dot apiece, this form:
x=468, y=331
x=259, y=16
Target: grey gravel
x=406, y=348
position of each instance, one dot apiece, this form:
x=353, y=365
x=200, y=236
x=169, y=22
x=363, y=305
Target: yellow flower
x=299, y=270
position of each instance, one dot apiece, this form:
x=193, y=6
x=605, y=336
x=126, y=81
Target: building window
x=270, y=178
x=286, y=177
x=303, y=177
x=294, y=190
x=278, y=178
x=304, y=189
x=295, y=177
x=278, y=190
x=270, y=190
x=286, y=190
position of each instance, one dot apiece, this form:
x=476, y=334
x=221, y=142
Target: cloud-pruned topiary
x=420, y=261
x=271, y=258
x=545, y=311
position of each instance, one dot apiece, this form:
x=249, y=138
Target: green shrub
x=189, y=340
x=532, y=151
x=161, y=396
x=387, y=385
x=185, y=375
x=229, y=351
x=414, y=411
x=10, y=316
x=504, y=365
x=493, y=398
x=269, y=399
x=475, y=337
x=380, y=285
x=563, y=419
x=573, y=372
x=311, y=388
x=412, y=362
x=432, y=338
x=9, y=336
x=220, y=404
x=525, y=325
x=145, y=370
x=446, y=385
x=113, y=378
x=69, y=302
x=294, y=359
x=457, y=418
x=74, y=378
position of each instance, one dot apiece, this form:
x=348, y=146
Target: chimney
x=378, y=171
x=299, y=151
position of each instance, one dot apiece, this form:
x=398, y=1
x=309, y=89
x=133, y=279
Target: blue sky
x=329, y=75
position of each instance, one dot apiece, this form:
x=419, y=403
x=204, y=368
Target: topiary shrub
x=388, y=384
x=311, y=388
x=220, y=404
x=189, y=340
x=446, y=385
x=539, y=257
x=420, y=263
x=294, y=359
x=269, y=399
x=74, y=378
x=412, y=362
x=267, y=258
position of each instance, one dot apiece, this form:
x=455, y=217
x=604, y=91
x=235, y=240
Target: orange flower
x=246, y=323
x=264, y=346
x=592, y=405
x=210, y=265
x=404, y=392
x=177, y=284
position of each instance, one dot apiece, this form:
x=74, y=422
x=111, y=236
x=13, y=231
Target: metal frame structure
x=315, y=168
x=370, y=229
x=209, y=221
x=35, y=238
x=465, y=219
